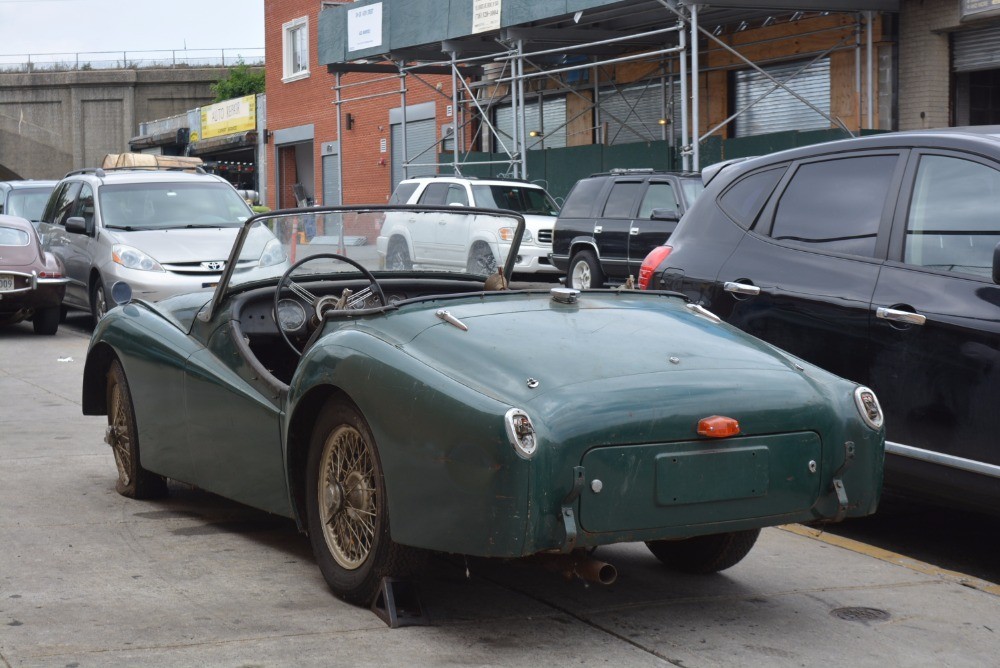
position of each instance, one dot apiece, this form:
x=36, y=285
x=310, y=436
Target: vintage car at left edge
x=31, y=282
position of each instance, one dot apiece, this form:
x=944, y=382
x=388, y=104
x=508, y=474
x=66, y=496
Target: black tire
x=481, y=260
x=397, y=258
x=584, y=271
x=702, y=555
x=134, y=481
x=99, y=305
x=46, y=320
x=347, y=514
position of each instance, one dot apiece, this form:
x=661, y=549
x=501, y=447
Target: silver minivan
x=160, y=232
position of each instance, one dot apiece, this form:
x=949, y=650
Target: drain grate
x=861, y=614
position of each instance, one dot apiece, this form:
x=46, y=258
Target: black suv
x=611, y=221
x=878, y=259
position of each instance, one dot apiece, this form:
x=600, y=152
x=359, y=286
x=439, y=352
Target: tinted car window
x=515, y=198
x=402, y=193
x=85, y=204
x=953, y=222
x=457, y=195
x=62, y=206
x=621, y=200
x=434, y=194
x=744, y=199
x=580, y=201
x=836, y=205
x=658, y=196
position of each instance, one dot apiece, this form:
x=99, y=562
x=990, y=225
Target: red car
x=31, y=283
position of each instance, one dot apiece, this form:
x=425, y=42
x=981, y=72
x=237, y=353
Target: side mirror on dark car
x=996, y=264
x=665, y=214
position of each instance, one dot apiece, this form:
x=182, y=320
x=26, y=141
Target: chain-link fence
x=106, y=60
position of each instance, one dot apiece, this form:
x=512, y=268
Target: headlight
x=521, y=432
x=133, y=258
x=273, y=254
x=507, y=234
x=868, y=406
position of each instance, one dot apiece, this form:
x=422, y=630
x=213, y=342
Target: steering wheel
x=322, y=305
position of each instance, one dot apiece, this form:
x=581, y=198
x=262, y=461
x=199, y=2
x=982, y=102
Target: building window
x=295, y=44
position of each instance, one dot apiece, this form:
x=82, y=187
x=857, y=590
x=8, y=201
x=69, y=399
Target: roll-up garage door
x=331, y=180
x=551, y=122
x=633, y=114
x=420, y=137
x=780, y=110
x=976, y=49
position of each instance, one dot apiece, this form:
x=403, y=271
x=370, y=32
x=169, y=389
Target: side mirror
x=996, y=264
x=665, y=214
x=76, y=225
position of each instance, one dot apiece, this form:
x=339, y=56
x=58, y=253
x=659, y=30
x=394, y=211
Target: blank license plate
x=6, y=283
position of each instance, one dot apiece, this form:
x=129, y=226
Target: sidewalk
x=89, y=578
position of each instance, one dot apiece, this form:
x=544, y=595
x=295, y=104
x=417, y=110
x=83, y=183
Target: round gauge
x=395, y=299
x=291, y=315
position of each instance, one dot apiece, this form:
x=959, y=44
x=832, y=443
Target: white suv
x=406, y=239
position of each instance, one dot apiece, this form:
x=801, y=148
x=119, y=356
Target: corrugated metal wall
x=419, y=135
x=780, y=111
x=976, y=49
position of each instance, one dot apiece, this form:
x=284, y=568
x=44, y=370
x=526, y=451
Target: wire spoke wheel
x=348, y=497
x=118, y=436
x=122, y=435
x=347, y=507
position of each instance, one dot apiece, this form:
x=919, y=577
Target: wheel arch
x=300, y=428
x=583, y=243
x=95, y=378
x=397, y=235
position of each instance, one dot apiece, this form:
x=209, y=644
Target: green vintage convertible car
x=434, y=408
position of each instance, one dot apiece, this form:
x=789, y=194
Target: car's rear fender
x=453, y=479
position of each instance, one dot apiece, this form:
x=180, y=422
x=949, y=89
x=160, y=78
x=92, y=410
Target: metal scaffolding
x=487, y=74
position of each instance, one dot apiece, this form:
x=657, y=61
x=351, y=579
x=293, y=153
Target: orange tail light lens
x=718, y=426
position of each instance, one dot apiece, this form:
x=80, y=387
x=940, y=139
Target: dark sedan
x=31, y=283
x=878, y=259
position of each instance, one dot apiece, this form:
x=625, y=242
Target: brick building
x=317, y=157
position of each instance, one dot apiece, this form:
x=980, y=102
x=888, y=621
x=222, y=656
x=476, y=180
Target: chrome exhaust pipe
x=580, y=566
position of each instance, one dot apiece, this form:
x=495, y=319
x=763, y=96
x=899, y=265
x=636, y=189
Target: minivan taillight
x=649, y=265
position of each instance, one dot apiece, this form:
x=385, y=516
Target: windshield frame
x=222, y=290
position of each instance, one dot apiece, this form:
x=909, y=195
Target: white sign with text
x=364, y=27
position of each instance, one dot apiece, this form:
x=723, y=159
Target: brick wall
x=366, y=171
x=925, y=63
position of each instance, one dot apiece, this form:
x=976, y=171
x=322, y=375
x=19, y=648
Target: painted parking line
x=893, y=558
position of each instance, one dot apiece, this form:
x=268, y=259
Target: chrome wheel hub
x=581, y=276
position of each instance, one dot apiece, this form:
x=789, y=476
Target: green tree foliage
x=240, y=81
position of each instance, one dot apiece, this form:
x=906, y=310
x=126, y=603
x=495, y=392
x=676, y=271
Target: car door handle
x=741, y=288
x=895, y=315
x=634, y=231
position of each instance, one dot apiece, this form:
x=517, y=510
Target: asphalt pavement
x=90, y=578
